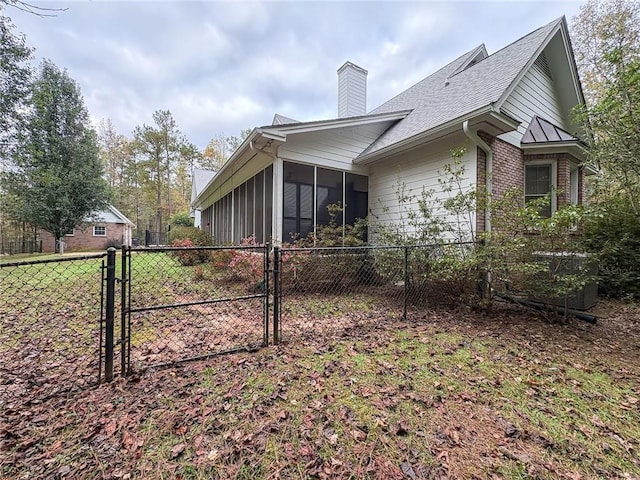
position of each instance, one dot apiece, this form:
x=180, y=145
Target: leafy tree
x=215, y=153
x=164, y=158
x=14, y=84
x=607, y=46
x=233, y=142
x=14, y=87
x=220, y=148
x=57, y=181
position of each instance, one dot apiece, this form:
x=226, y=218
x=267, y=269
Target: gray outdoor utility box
x=573, y=263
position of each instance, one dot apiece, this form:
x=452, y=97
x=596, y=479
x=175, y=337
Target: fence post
x=110, y=314
x=276, y=294
x=124, y=285
x=265, y=282
x=406, y=282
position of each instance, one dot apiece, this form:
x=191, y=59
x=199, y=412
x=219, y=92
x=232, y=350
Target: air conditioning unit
x=568, y=263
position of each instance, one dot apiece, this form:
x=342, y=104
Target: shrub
x=247, y=265
x=612, y=232
x=335, y=234
x=181, y=220
x=196, y=236
x=190, y=257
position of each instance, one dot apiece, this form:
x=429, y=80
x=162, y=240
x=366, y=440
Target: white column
x=278, y=204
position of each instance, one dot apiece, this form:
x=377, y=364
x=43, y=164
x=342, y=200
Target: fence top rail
x=376, y=247
x=53, y=260
x=152, y=249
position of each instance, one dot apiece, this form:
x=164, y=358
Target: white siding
x=416, y=171
x=331, y=148
x=107, y=216
x=534, y=95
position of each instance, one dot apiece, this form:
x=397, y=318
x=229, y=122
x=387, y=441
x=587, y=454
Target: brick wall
x=563, y=178
x=83, y=240
x=508, y=172
x=508, y=169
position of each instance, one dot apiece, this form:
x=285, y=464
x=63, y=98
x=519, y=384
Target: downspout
x=473, y=136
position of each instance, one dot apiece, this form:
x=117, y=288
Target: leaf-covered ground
x=453, y=395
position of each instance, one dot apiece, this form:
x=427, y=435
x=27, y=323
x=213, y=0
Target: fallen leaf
x=408, y=470
x=177, y=450
x=358, y=435
x=110, y=427
x=401, y=428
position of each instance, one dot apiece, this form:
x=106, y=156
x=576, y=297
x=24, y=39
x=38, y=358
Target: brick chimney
x=352, y=90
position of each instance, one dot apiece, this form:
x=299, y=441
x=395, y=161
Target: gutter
x=440, y=130
x=248, y=142
x=478, y=142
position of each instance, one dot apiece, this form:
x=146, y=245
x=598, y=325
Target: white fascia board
x=575, y=148
x=486, y=114
x=254, y=136
x=255, y=133
x=575, y=77
x=339, y=123
x=526, y=68
x=120, y=215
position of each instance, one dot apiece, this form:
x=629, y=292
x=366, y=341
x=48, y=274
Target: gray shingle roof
x=200, y=179
x=443, y=96
x=282, y=120
x=543, y=131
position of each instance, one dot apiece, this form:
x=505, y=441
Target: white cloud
x=224, y=66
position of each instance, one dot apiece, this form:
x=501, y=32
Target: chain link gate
x=187, y=303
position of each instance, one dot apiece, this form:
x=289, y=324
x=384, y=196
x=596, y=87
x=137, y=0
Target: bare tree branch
x=33, y=9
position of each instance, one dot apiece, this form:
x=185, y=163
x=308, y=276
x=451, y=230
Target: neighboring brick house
x=110, y=227
x=511, y=110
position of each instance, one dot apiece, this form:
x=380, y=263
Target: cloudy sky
x=223, y=66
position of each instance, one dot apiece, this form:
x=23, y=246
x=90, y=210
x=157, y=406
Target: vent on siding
x=542, y=64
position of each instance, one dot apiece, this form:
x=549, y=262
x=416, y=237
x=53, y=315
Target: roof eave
x=486, y=119
x=574, y=147
x=254, y=137
x=120, y=215
x=315, y=126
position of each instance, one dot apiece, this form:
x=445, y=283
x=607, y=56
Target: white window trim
x=99, y=234
x=554, y=179
x=574, y=182
x=72, y=234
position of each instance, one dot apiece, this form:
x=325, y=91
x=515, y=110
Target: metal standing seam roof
x=444, y=96
x=543, y=131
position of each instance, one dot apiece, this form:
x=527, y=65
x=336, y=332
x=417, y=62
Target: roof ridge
x=461, y=57
x=557, y=20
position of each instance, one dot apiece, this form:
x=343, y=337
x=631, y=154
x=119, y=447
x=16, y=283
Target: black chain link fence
x=191, y=302
x=71, y=322
x=330, y=291
x=50, y=313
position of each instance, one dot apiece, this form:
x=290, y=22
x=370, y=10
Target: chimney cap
x=348, y=64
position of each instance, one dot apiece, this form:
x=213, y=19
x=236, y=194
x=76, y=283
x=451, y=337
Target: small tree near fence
x=525, y=254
